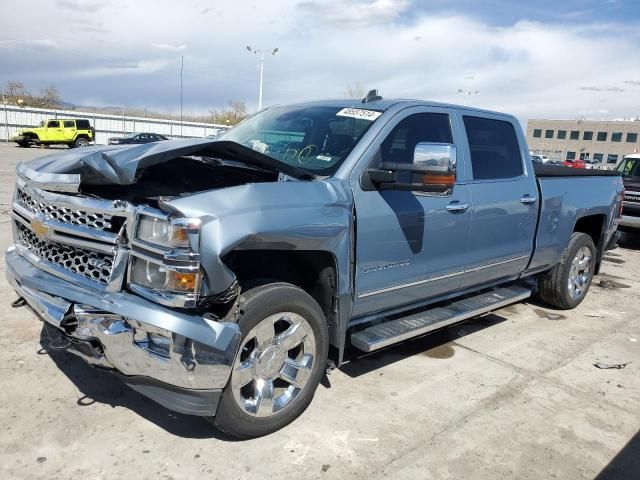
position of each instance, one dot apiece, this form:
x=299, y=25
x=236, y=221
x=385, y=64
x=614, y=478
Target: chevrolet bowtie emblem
x=39, y=228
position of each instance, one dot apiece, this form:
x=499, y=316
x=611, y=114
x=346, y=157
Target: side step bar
x=394, y=331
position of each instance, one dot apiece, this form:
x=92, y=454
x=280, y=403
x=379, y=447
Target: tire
x=24, y=144
x=567, y=284
x=263, y=364
x=81, y=142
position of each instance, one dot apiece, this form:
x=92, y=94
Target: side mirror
x=433, y=170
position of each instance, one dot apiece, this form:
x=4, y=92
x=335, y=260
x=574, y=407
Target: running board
x=394, y=331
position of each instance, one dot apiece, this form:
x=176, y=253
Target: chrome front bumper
x=199, y=354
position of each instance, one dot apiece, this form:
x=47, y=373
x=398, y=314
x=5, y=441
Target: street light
x=468, y=93
x=255, y=51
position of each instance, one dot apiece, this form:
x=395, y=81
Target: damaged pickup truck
x=222, y=278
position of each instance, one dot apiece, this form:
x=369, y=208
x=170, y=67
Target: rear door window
x=494, y=147
x=69, y=124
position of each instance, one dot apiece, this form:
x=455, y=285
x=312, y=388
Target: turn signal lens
x=181, y=282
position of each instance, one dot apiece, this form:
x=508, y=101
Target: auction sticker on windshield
x=370, y=115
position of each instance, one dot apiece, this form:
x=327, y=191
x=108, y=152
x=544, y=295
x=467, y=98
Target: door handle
x=528, y=200
x=457, y=207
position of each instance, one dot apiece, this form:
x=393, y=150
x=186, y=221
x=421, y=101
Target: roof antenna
x=372, y=96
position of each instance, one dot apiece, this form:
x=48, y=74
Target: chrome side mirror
x=436, y=158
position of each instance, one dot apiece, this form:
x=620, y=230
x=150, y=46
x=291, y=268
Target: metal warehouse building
x=601, y=141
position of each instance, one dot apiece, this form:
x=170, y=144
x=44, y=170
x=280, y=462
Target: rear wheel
x=81, y=142
x=280, y=363
x=567, y=284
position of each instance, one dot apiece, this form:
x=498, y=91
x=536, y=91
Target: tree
x=234, y=113
x=48, y=98
x=17, y=94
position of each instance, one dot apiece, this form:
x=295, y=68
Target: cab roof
x=386, y=104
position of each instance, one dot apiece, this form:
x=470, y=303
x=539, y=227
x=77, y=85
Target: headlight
x=160, y=277
x=162, y=232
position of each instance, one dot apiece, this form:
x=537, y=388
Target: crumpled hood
x=118, y=165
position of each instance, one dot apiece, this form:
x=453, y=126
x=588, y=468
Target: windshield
x=630, y=167
x=314, y=138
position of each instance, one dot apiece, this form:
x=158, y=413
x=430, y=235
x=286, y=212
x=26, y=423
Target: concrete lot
x=512, y=395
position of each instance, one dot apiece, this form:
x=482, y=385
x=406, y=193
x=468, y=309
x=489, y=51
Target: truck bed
x=561, y=171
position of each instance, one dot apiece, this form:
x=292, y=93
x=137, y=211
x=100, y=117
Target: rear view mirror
x=433, y=170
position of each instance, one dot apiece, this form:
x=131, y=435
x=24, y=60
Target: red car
x=576, y=163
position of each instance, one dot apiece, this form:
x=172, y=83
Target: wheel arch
x=31, y=135
x=314, y=271
x=594, y=226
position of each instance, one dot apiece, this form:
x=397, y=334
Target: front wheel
x=567, y=284
x=282, y=358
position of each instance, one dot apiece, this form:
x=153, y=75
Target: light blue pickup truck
x=222, y=278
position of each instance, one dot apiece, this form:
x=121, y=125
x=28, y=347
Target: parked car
x=73, y=132
x=629, y=167
x=540, y=158
x=575, y=163
x=137, y=138
x=222, y=278
x=537, y=159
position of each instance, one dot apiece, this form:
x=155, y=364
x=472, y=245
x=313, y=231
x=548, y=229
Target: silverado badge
x=39, y=228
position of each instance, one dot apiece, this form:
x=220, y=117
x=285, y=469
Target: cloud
x=205, y=11
x=632, y=82
x=46, y=43
x=168, y=47
x=79, y=7
x=142, y=67
x=355, y=13
x=602, y=89
x=531, y=69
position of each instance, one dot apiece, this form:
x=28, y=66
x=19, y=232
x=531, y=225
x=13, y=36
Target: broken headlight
x=164, y=263
x=159, y=277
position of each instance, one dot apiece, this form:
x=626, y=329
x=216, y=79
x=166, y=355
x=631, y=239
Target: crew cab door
x=69, y=130
x=409, y=245
x=504, y=199
x=53, y=131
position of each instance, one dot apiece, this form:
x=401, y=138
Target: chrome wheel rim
x=82, y=143
x=580, y=272
x=274, y=364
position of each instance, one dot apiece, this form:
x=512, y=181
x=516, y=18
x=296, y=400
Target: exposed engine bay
x=179, y=177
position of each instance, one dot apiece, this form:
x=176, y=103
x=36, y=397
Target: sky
x=535, y=59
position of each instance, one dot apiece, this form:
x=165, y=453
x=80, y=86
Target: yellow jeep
x=66, y=131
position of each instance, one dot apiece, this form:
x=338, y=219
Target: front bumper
x=110, y=330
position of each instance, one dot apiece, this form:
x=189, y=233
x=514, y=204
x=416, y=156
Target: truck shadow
x=100, y=386
x=437, y=345
x=629, y=240
x=626, y=464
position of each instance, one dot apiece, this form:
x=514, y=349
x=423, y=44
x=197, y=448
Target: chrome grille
x=99, y=221
x=95, y=266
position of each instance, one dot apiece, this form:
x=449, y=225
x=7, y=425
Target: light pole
x=181, y=69
x=255, y=51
